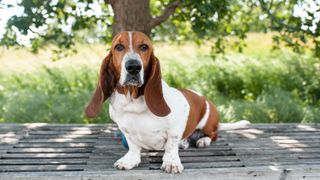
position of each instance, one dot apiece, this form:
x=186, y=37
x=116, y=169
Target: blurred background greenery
x=257, y=60
x=257, y=85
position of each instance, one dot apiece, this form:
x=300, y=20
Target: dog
x=151, y=114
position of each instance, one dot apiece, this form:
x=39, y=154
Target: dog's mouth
x=133, y=80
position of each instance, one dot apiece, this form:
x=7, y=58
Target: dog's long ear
x=104, y=89
x=153, y=90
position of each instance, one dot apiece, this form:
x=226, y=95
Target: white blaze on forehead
x=131, y=55
x=130, y=41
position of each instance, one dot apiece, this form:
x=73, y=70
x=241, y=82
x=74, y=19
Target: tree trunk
x=131, y=15
x=134, y=15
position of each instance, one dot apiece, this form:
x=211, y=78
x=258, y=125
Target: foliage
x=298, y=22
x=279, y=87
x=50, y=95
x=275, y=89
x=62, y=22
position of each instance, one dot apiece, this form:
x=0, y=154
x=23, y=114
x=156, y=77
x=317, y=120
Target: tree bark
x=134, y=15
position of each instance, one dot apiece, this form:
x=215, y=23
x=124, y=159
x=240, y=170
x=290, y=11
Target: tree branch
x=109, y=1
x=279, y=21
x=168, y=11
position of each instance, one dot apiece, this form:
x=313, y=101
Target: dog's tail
x=231, y=126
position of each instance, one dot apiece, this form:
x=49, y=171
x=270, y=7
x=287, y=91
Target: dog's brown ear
x=153, y=90
x=104, y=89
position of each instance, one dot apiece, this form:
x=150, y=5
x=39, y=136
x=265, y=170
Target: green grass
x=257, y=85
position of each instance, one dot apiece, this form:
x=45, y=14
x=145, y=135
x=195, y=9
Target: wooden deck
x=273, y=151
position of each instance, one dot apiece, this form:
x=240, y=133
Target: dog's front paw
x=172, y=167
x=126, y=163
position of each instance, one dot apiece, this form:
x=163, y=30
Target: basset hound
x=151, y=114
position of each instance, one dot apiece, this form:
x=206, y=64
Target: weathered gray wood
x=259, y=151
x=45, y=155
x=9, y=162
x=58, y=140
x=54, y=145
x=294, y=172
x=50, y=150
x=36, y=168
x=66, y=136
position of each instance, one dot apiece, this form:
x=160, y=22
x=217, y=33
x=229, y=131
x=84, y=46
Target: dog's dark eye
x=144, y=47
x=119, y=47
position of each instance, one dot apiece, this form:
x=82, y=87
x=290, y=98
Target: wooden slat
x=296, y=172
x=58, y=140
x=78, y=148
x=66, y=136
x=45, y=155
x=43, y=132
x=42, y=168
x=50, y=150
x=8, y=162
x=55, y=145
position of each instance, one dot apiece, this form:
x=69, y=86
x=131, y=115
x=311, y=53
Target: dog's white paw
x=184, y=144
x=127, y=162
x=172, y=167
x=203, y=142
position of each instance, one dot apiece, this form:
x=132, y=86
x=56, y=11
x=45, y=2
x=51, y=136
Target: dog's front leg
x=171, y=160
x=131, y=159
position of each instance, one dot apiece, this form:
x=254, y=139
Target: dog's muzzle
x=133, y=67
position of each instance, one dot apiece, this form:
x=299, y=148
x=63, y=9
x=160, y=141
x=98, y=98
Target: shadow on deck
x=269, y=151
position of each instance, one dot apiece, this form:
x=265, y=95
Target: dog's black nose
x=133, y=66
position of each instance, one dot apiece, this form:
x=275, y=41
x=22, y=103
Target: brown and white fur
x=151, y=114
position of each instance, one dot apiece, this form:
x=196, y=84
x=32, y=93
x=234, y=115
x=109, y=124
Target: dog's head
x=130, y=67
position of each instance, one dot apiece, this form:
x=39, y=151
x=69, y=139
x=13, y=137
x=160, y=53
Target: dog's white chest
x=143, y=131
x=138, y=123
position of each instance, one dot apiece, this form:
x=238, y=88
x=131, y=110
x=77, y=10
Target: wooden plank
x=218, y=173
x=284, y=125
x=67, y=129
x=241, y=155
x=5, y=147
x=222, y=159
x=57, y=140
x=93, y=148
x=205, y=153
x=50, y=150
x=272, y=130
x=200, y=159
x=5, y=127
x=8, y=135
x=66, y=136
x=270, y=157
x=9, y=140
x=66, y=126
x=292, y=135
x=55, y=145
x=62, y=144
x=37, y=168
x=6, y=162
x=120, y=147
x=309, y=156
x=267, y=142
x=46, y=156
x=43, y=132
x=235, y=164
